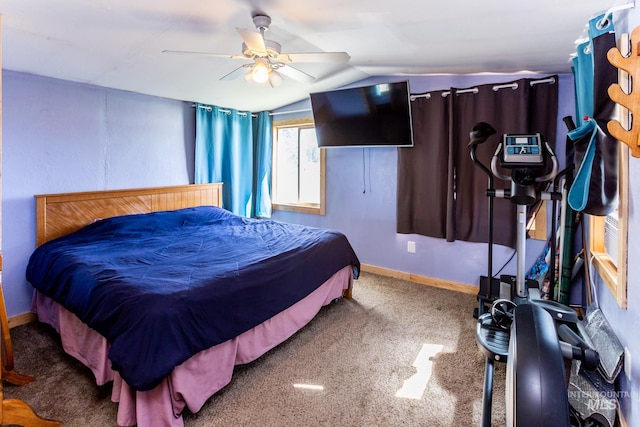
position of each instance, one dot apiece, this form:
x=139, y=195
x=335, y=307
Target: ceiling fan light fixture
x=260, y=71
x=264, y=60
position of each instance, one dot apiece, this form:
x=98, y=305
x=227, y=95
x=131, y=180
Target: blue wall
x=361, y=198
x=61, y=137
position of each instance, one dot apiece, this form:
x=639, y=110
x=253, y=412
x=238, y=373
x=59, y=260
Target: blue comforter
x=161, y=287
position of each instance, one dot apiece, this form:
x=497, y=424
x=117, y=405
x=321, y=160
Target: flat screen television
x=369, y=116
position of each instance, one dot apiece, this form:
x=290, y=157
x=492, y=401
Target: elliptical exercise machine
x=533, y=336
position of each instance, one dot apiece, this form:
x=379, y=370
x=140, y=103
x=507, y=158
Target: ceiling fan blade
x=216, y=55
x=275, y=78
x=334, y=57
x=240, y=71
x=296, y=74
x=253, y=40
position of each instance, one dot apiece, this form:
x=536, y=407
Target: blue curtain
x=229, y=151
x=583, y=77
x=583, y=68
x=595, y=152
x=262, y=144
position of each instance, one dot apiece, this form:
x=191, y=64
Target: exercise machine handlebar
x=541, y=195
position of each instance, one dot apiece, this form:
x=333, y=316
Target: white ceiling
x=119, y=43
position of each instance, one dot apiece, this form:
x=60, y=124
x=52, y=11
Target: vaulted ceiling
x=120, y=43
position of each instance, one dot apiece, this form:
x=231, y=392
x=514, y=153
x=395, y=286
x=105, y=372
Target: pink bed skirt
x=185, y=387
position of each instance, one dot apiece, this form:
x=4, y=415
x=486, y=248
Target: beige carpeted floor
x=360, y=351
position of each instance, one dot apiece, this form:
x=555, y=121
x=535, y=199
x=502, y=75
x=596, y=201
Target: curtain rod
x=420, y=95
x=513, y=85
x=277, y=113
x=605, y=17
x=550, y=80
x=273, y=113
x=222, y=110
x=583, y=37
x=458, y=92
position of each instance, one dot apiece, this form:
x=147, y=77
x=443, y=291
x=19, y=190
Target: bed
x=163, y=292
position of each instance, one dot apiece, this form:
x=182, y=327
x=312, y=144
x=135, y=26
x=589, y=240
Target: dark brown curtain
x=514, y=107
x=423, y=169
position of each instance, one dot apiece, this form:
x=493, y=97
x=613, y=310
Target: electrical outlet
x=411, y=247
x=627, y=363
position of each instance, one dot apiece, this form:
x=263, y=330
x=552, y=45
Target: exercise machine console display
x=522, y=151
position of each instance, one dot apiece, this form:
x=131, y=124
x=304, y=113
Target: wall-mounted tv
x=370, y=116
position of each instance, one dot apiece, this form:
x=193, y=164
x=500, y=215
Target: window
x=537, y=225
x=608, y=237
x=298, y=168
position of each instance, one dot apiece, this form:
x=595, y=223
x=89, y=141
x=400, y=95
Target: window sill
x=301, y=208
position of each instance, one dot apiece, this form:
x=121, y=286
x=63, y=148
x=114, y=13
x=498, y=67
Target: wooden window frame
x=613, y=274
x=537, y=225
x=309, y=208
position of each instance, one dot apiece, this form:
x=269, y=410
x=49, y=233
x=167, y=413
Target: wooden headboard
x=60, y=214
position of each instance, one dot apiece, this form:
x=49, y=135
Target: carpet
x=397, y=354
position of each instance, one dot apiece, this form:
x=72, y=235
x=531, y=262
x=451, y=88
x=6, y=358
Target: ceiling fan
x=269, y=63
